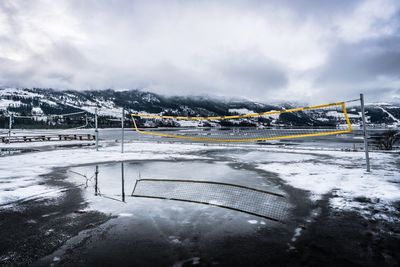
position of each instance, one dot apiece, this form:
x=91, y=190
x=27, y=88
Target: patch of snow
x=344, y=174
x=150, y=98
x=336, y=114
x=188, y=262
x=7, y=92
x=125, y=214
x=49, y=102
x=184, y=123
x=240, y=111
x=5, y=103
x=297, y=233
x=37, y=111
x=389, y=114
x=260, y=156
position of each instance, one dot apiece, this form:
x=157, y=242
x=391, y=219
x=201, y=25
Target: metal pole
x=96, y=173
x=96, y=131
x=365, y=132
x=122, y=129
x=9, y=128
x=123, y=182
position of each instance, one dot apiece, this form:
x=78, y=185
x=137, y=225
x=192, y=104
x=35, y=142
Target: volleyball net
x=311, y=121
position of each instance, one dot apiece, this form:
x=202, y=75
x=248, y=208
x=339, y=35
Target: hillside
x=44, y=102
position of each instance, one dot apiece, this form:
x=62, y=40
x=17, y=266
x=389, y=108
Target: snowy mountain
x=44, y=102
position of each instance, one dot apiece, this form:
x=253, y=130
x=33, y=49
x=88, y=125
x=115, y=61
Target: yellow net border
x=250, y=115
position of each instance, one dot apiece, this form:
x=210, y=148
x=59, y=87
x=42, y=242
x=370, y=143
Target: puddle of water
x=164, y=230
x=108, y=188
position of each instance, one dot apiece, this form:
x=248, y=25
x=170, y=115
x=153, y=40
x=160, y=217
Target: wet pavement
x=96, y=223
x=155, y=232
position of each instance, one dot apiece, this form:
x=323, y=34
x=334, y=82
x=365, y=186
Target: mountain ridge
x=46, y=101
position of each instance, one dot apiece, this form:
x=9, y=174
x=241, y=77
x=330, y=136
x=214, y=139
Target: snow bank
x=342, y=173
x=321, y=179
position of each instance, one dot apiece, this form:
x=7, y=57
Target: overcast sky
x=268, y=51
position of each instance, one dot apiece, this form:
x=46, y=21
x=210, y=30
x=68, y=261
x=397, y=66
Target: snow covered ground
x=20, y=174
x=319, y=172
x=343, y=174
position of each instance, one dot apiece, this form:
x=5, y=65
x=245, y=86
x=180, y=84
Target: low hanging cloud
x=262, y=50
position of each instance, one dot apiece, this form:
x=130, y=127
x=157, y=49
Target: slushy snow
x=318, y=172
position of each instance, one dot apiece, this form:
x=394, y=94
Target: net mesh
x=321, y=120
x=253, y=201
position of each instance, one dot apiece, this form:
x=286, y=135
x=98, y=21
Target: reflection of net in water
x=265, y=204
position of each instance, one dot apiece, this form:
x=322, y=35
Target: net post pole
x=96, y=131
x=123, y=181
x=96, y=174
x=365, y=132
x=122, y=130
x=10, y=127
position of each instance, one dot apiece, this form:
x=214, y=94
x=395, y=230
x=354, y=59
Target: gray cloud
x=252, y=74
x=362, y=61
x=264, y=50
x=372, y=66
